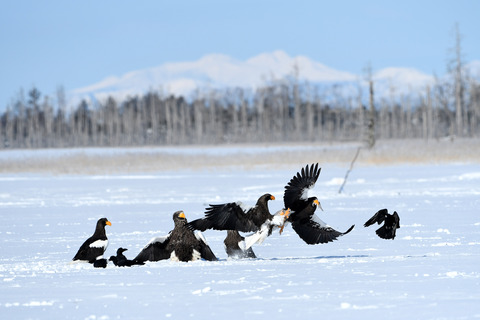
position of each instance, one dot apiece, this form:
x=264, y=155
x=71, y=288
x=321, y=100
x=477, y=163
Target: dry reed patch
x=244, y=156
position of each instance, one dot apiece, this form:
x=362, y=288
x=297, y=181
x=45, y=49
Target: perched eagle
x=96, y=245
x=181, y=244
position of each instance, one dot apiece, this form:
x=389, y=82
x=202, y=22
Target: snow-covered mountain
x=216, y=71
x=213, y=71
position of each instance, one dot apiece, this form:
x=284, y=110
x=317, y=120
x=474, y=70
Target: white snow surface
x=430, y=271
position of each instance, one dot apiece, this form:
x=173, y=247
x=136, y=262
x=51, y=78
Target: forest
x=282, y=111
x=285, y=110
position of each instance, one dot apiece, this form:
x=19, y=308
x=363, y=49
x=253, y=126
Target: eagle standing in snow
x=96, y=245
x=304, y=221
x=235, y=246
x=181, y=244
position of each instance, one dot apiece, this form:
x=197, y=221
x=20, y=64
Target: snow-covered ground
x=430, y=271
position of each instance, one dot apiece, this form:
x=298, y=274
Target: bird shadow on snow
x=400, y=256
x=314, y=258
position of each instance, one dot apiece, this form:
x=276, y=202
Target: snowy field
x=430, y=271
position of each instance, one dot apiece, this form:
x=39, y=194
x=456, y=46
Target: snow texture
x=430, y=271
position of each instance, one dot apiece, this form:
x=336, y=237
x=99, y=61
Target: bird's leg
x=285, y=214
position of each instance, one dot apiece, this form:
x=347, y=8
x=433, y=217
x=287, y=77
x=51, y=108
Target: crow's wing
x=378, y=217
x=397, y=219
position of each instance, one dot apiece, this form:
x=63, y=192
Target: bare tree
x=475, y=102
x=458, y=83
x=371, y=115
x=198, y=119
x=309, y=115
x=280, y=111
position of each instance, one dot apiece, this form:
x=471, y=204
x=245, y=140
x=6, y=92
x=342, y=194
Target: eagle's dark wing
x=155, y=250
x=91, y=249
x=297, y=188
x=82, y=251
x=205, y=251
x=201, y=224
x=229, y=216
x=315, y=231
x=378, y=217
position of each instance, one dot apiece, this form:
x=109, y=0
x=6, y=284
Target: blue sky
x=75, y=44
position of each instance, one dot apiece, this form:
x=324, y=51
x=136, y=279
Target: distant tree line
x=285, y=111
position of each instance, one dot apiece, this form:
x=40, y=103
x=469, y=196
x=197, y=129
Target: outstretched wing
x=296, y=191
x=397, y=219
x=205, y=251
x=229, y=216
x=155, y=250
x=315, y=231
x=378, y=217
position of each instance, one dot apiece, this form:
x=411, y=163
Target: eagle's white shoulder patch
x=158, y=239
x=200, y=237
x=319, y=221
x=99, y=244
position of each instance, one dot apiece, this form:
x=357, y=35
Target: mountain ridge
x=217, y=71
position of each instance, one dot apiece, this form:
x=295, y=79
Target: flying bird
x=181, y=244
x=305, y=222
x=96, y=245
x=235, y=216
x=391, y=222
x=235, y=246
